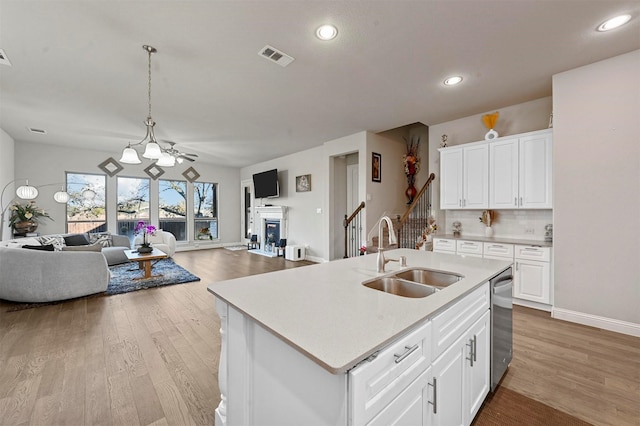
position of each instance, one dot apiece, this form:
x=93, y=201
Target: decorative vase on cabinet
x=488, y=231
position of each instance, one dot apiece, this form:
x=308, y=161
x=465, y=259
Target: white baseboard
x=604, y=323
x=534, y=305
x=315, y=259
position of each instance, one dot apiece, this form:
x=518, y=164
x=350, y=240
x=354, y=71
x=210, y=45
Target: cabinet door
x=478, y=371
x=532, y=281
x=476, y=177
x=535, y=172
x=448, y=386
x=411, y=407
x=503, y=174
x=451, y=179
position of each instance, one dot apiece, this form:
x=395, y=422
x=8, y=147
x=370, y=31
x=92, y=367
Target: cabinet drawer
x=440, y=244
x=542, y=254
x=375, y=384
x=498, y=250
x=449, y=325
x=469, y=247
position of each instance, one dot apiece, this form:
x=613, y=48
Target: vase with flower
x=488, y=217
x=411, y=162
x=24, y=217
x=146, y=230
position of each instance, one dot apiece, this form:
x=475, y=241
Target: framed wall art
x=303, y=183
x=376, y=167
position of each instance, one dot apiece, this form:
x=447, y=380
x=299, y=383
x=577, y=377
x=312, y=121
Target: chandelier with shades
x=163, y=156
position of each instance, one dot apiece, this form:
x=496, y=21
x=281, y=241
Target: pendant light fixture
x=152, y=149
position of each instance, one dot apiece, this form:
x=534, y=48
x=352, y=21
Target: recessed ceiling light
x=452, y=81
x=613, y=23
x=326, y=32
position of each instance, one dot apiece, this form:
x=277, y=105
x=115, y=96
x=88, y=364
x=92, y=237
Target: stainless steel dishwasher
x=501, y=325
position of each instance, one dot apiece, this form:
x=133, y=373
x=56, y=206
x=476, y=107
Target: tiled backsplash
x=520, y=224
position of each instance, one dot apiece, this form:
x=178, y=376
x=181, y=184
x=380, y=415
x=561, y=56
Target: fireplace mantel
x=272, y=212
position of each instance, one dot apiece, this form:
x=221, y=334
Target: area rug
x=123, y=277
x=123, y=281
x=236, y=248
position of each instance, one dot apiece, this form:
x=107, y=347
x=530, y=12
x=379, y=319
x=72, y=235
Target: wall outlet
x=529, y=231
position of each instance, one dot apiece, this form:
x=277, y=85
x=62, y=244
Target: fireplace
x=273, y=226
x=271, y=232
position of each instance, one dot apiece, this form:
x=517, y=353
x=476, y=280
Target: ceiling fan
x=179, y=156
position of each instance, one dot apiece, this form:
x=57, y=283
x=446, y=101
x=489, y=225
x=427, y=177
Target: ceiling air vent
x=4, y=59
x=38, y=131
x=274, y=55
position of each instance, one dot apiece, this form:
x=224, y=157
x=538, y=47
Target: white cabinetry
x=464, y=180
x=444, y=245
x=436, y=373
x=382, y=387
x=469, y=248
x=532, y=280
x=506, y=173
x=520, y=172
x=499, y=251
x=461, y=371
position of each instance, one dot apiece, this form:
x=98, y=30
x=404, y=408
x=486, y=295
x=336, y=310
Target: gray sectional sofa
x=46, y=276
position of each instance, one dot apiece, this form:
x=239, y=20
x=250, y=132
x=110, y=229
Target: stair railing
x=414, y=221
x=353, y=232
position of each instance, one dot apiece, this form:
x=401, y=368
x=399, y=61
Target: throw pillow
x=76, y=240
x=48, y=247
x=97, y=248
x=102, y=239
x=56, y=240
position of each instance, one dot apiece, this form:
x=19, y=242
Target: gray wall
x=597, y=188
x=6, y=175
x=44, y=164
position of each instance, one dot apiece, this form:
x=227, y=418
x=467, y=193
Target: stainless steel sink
x=400, y=287
x=429, y=277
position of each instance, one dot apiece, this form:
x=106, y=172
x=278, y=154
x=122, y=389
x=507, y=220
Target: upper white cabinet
x=535, y=171
x=520, y=172
x=506, y=173
x=464, y=178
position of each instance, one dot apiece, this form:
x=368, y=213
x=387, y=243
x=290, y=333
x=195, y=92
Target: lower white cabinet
x=532, y=275
x=436, y=374
x=461, y=376
x=411, y=407
x=376, y=385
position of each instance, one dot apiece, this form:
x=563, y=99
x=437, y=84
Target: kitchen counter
x=325, y=312
x=538, y=243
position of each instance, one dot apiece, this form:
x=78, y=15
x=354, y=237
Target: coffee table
x=144, y=261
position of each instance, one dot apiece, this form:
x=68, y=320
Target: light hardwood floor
x=151, y=357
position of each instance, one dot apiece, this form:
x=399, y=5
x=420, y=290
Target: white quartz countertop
x=326, y=313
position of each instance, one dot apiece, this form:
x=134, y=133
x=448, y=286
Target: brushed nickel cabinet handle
x=409, y=351
x=470, y=344
x=435, y=396
x=475, y=348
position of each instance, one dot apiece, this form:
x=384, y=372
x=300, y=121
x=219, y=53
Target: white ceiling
x=79, y=72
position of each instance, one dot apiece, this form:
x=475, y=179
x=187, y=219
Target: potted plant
x=204, y=234
x=24, y=217
x=145, y=230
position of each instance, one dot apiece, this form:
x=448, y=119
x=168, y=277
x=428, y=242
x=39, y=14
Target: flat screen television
x=265, y=184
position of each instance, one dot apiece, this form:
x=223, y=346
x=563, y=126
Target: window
x=172, y=207
x=133, y=204
x=86, y=208
x=205, y=210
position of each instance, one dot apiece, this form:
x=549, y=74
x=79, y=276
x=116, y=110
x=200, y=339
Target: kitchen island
x=294, y=341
